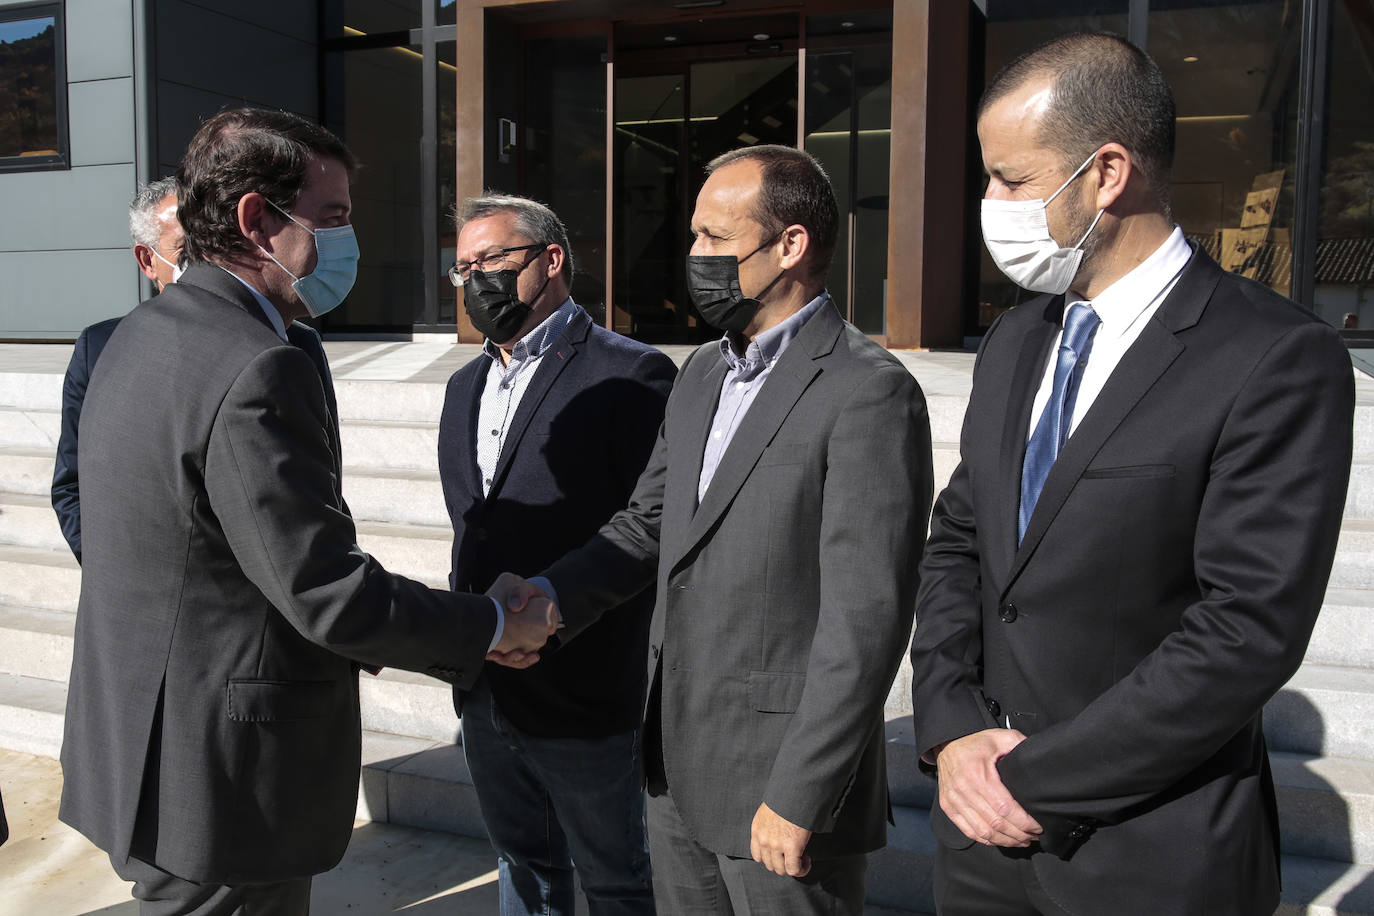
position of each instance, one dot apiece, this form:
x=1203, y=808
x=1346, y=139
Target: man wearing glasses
x=541, y=440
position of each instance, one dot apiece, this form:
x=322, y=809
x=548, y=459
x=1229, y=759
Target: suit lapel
x=466, y=421
x=687, y=434
x=1140, y=368
x=789, y=378
x=1025, y=381
x=551, y=365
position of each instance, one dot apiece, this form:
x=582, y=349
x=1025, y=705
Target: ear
x=1114, y=170
x=795, y=242
x=252, y=214
x=146, y=263
x=557, y=257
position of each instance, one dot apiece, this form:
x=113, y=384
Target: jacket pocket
x=252, y=700
x=1135, y=470
x=773, y=691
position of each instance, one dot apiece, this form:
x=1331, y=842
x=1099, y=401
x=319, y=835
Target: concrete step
x=26, y=470
x=1359, y=500
x=1343, y=634
x=1319, y=887
x=28, y=520
x=390, y=444
x=37, y=429
x=31, y=712
x=1324, y=710
x=31, y=390
x=399, y=495
x=39, y=577
x=420, y=552
x=36, y=642
x=1354, y=566
x=1326, y=806
x=406, y=703
x=394, y=401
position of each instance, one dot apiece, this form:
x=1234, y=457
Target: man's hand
x=972, y=794
x=779, y=844
x=531, y=619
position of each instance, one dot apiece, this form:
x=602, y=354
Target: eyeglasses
x=458, y=273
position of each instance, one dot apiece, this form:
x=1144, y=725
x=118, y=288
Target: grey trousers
x=690, y=880
x=163, y=894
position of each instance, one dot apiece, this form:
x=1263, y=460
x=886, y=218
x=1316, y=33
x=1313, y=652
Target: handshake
x=531, y=618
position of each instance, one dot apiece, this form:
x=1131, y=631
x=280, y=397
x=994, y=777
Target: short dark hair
x=795, y=190
x=1104, y=90
x=534, y=220
x=238, y=152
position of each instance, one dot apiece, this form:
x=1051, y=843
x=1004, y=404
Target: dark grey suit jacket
x=212, y=723
x=785, y=600
x=1165, y=589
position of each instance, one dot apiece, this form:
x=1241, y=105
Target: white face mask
x=1017, y=234
x=176, y=268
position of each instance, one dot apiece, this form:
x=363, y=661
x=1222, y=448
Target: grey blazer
x=212, y=723
x=785, y=600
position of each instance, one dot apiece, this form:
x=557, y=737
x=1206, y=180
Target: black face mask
x=494, y=306
x=713, y=284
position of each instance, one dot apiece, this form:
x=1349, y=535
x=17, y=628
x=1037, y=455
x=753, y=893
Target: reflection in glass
x=345, y=18
x=1013, y=28
x=1345, y=227
x=1234, y=73
x=564, y=151
x=848, y=128
x=446, y=165
x=28, y=87
x=446, y=12
x=380, y=98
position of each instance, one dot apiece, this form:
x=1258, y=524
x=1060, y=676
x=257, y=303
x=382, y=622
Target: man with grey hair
x=541, y=441
x=157, y=236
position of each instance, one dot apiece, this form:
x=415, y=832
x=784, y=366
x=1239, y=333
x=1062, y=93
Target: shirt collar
x=268, y=308
x=1121, y=304
x=541, y=337
x=765, y=349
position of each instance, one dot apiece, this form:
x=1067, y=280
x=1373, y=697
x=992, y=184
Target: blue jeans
x=550, y=803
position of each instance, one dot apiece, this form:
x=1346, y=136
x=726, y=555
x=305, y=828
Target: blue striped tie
x=1079, y=326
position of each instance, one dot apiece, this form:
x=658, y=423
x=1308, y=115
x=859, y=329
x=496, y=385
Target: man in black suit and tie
x=541, y=441
x=212, y=732
x=1128, y=561
x=156, y=234
x=780, y=514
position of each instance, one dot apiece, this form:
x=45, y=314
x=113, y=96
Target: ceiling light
x=670, y=38
x=761, y=36
x=1190, y=60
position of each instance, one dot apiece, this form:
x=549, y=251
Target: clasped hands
x=531, y=618
x=972, y=794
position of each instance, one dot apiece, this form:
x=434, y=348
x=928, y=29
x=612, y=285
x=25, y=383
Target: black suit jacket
x=784, y=600
x=212, y=724
x=66, y=501
x=1165, y=589
x=66, y=495
x=573, y=451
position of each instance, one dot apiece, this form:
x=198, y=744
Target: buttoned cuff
x=500, y=625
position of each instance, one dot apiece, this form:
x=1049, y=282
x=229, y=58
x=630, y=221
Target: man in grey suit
x=212, y=729
x=783, y=509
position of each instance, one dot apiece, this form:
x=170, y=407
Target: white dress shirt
x=1124, y=307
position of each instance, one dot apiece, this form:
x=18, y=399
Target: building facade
x=608, y=110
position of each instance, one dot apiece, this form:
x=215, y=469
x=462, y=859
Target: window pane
x=848, y=128
x=370, y=17
x=378, y=95
x=447, y=12
x=28, y=88
x=565, y=150
x=1014, y=27
x=1345, y=227
x=1234, y=72
x=447, y=167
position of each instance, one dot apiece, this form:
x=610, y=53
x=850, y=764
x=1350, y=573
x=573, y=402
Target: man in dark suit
x=782, y=508
x=541, y=441
x=1128, y=561
x=156, y=234
x=212, y=729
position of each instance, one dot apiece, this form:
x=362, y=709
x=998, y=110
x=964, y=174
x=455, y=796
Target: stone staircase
x=1321, y=740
